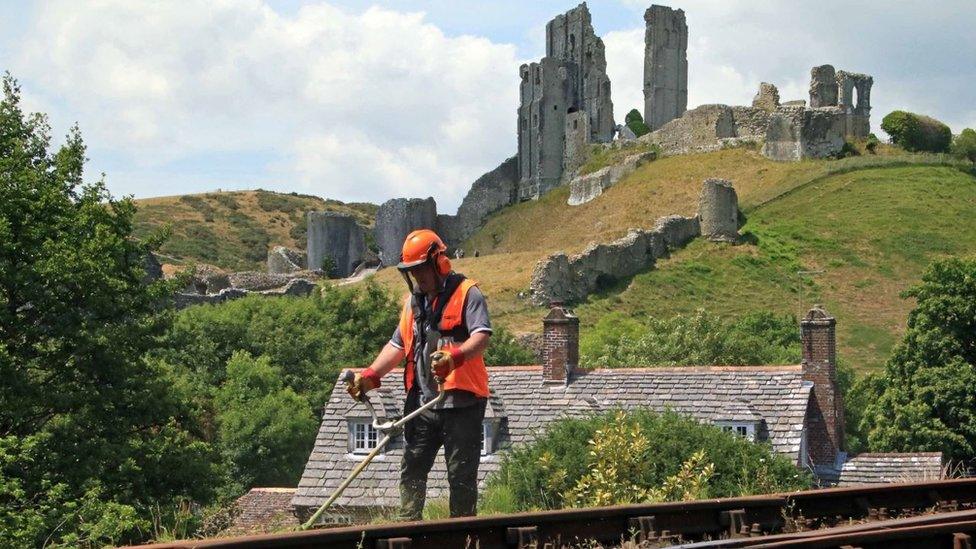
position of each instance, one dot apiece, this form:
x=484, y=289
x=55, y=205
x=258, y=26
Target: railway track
x=907, y=515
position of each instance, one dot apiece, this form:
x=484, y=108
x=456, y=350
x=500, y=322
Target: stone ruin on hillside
x=564, y=103
x=565, y=109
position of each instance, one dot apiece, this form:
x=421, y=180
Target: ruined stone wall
x=489, y=193
x=795, y=133
x=395, y=219
x=570, y=37
x=571, y=278
x=823, y=87
x=585, y=188
x=767, y=98
x=336, y=236
x=718, y=210
x=665, y=65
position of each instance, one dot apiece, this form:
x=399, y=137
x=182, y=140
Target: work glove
x=444, y=361
x=362, y=383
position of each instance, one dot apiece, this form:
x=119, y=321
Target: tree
x=698, y=339
x=926, y=396
x=85, y=422
x=964, y=144
x=916, y=132
x=505, y=350
x=266, y=429
x=635, y=122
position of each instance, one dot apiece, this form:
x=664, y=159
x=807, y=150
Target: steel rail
x=732, y=517
x=920, y=520
x=957, y=535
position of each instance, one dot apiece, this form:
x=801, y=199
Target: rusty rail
x=662, y=523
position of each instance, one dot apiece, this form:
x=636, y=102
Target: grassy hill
x=871, y=223
x=235, y=230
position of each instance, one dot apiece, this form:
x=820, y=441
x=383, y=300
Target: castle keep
x=564, y=103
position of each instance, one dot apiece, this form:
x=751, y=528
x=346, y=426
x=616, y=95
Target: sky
x=367, y=101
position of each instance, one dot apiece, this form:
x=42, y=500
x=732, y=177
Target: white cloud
x=357, y=106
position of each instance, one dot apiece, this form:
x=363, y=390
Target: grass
x=234, y=230
x=871, y=223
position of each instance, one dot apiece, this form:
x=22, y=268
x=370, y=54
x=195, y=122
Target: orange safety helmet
x=422, y=246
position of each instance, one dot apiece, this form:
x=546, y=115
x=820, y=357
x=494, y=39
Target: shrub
x=964, y=144
x=847, y=150
x=505, y=350
x=872, y=143
x=561, y=465
x=635, y=122
x=915, y=132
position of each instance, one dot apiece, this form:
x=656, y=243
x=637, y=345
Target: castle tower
x=571, y=79
x=665, y=65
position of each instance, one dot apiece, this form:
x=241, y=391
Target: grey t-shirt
x=475, y=320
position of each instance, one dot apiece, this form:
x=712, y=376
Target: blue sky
x=369, y=101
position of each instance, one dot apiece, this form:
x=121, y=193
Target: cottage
x=797, y=409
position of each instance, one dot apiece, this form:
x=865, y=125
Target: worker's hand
x=444, y=361
x=363, y=383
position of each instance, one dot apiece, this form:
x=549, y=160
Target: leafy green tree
x=573, y=463
x=916, y=132
x=926, y=396
x=309, y=339
x=85, y=422
x=698, y=339
x=266, y=429
x=964, y=144
x=636, y=123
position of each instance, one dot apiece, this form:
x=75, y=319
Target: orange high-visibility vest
x=472, y=375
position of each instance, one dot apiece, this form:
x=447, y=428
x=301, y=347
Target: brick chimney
x=825, y=417
x=560, y=344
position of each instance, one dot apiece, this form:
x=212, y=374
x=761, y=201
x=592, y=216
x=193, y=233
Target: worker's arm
x=475, y=345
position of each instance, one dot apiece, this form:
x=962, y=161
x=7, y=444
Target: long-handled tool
x=388, y=429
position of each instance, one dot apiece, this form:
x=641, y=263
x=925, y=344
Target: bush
x=847, y=150
x=635, y=122
x=964, y=145
x=561, y=464
x=915, y=132
x=872, y=143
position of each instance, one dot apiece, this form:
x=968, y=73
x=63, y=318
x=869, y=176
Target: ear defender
x=443, y=264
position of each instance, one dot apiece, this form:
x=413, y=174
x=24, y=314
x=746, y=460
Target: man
x=443, y=332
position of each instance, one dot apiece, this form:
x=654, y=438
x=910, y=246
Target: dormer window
x=363, y=438
x=744, y=429
x=487, y=437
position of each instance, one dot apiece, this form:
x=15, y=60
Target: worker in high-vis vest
x=443, y=332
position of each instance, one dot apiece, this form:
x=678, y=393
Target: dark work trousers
x=459, y=431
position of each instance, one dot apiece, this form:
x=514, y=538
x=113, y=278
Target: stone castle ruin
x=565, y=109
x=564, y=104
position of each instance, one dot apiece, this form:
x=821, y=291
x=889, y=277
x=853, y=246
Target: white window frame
x=744, y=429
x=363, y=437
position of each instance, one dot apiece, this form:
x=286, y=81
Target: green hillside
x=871, y=223
x=235, y=230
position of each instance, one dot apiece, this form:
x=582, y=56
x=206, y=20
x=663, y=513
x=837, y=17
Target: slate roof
x=775, y=396
x=263, y=510
x=889, y=468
